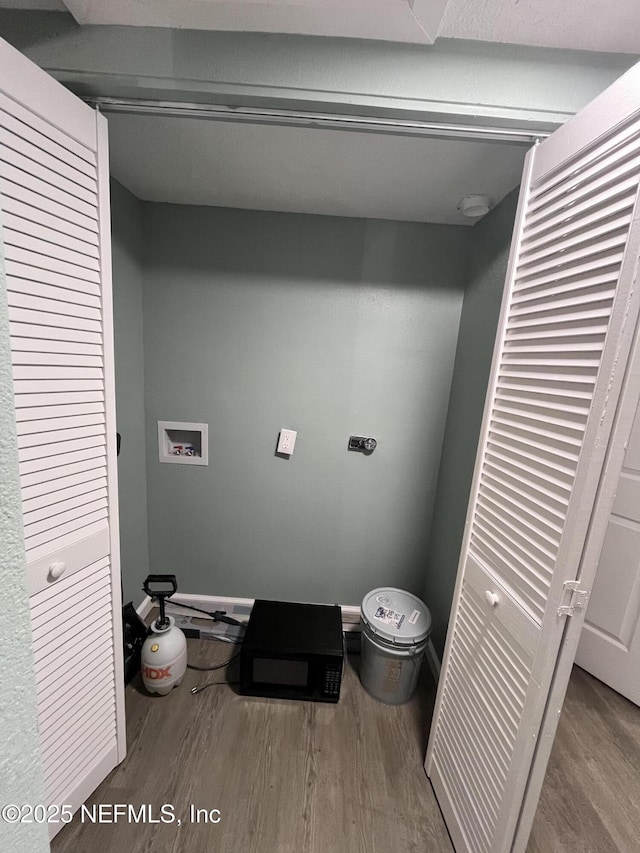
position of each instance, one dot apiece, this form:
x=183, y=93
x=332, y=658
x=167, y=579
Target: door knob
x=492, y=598
x=56, y=570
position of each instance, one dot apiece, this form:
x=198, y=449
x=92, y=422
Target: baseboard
x=240, y=606
x=433, y=660
x=350, y=616
x=144, y=608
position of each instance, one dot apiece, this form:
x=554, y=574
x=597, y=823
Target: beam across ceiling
x=451, y=82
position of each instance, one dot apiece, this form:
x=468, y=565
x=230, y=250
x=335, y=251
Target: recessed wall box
x=183, y=443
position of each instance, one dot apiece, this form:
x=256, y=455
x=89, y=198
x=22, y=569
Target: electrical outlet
x=287, y=441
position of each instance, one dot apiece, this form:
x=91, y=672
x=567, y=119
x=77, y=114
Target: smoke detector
x=475, y=206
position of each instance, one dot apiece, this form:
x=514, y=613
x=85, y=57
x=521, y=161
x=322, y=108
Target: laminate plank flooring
x=305, y=777
x=590, y=800
x=287, y=777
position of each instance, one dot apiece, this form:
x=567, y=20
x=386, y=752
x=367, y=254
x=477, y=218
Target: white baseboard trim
x=350, y=617
x=213, y=602
x=433, y=660
x=145, y=607
x=350, y=612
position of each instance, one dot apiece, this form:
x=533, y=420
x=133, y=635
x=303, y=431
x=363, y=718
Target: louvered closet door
x=568, y=318
x=55, y=224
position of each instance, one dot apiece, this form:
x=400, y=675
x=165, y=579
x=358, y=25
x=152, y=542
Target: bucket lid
x=396, y=616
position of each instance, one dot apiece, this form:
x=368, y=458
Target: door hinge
x=578, y=601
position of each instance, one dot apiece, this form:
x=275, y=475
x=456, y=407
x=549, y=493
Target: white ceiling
x=305, y=170
x=605, y=25
x=335, y=172
x=392, y=20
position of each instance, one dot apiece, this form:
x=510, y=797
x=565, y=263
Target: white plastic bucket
x=395, y=631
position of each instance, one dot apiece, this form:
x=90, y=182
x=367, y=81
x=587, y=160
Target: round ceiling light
x=475, y=206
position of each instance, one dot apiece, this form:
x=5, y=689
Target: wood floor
x=287, y=777
x=297, y=777
x=590, y=799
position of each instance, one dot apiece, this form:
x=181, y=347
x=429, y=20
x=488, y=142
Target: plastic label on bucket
x=414, y=617
x=390, y=617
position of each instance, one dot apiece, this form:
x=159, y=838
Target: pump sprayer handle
x=160, y=586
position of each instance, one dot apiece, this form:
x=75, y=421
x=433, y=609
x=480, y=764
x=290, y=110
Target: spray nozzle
x=160, y=587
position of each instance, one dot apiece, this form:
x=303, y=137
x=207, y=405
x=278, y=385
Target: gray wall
x=258, y=321
x=489, y=253
x=21, y=779
x=126, y=245
x=456, y=79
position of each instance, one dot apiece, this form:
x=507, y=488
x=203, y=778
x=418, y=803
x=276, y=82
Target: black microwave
x=292, y=651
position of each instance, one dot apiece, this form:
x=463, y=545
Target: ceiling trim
x=403, y=127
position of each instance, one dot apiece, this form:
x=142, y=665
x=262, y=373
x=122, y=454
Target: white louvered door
x=567, y=325
x=610, y=642
x=56, y=230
